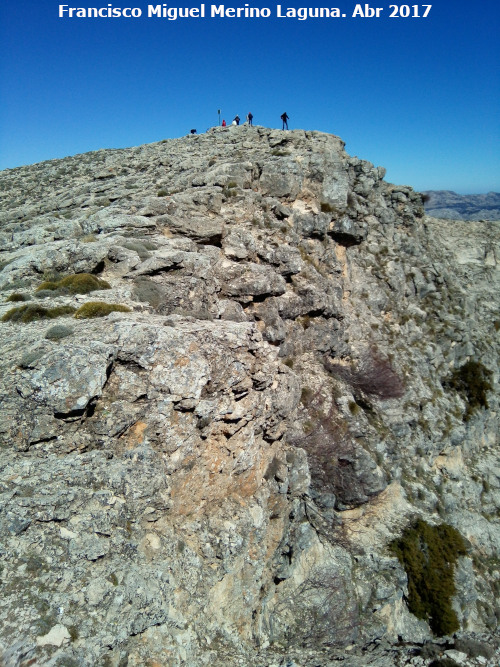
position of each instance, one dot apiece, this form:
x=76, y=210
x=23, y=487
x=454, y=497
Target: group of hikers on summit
x=236, y=120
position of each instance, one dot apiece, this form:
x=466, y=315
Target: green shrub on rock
x=46, y=293
x=18, y=296
x=472, y=381
x=30, y=358
x=474, y=648
x=58, y=331
x=80, y=283
x=147, y=291
x=99, y=309
x=31, y=312
x=428, y=555
x=47, y=285
x=326, y=207
x=138, y=247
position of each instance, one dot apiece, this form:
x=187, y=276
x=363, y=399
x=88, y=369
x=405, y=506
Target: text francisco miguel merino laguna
x=214, y=11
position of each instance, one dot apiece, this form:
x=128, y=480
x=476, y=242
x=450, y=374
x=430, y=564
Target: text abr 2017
x=396, y=11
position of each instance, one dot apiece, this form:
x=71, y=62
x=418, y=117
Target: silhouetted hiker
x=237, y=120
x=285, y=117
x=223, y=123
x=250, y=118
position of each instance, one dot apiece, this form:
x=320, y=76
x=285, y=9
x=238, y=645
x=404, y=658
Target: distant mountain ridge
x=450, y=205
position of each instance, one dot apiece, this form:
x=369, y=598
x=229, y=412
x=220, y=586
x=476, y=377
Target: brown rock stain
x=135, y=434
x=210, y=477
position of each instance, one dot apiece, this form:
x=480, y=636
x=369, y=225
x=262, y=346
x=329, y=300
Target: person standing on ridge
x=237, y=119
x=285, y=117
x=223, y=123
x=250, y=118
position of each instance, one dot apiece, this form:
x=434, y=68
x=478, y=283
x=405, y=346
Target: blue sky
x=419, y=96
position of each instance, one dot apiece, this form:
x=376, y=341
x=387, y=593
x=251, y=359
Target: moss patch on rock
x=147, y=291
x=32, y=312
x=428, y=555
x=30, y=358
x=141, y=248
x=58, y=331
x=79, y=283
x=99, y=309
x=17, y=297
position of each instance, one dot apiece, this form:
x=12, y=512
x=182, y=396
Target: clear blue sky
x=420, y=96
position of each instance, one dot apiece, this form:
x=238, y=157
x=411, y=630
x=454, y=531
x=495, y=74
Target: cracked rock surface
x=215, y=475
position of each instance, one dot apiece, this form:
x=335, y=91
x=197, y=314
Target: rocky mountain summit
x=249, y=412
x=450, y=205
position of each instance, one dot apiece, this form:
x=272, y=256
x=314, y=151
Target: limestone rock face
x=215, y=475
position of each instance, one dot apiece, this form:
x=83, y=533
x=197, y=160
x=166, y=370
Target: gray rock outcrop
x=215, y=474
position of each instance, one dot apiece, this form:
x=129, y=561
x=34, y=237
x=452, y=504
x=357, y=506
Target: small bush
x=30, y=358
x=304, y=321
x=332, y=452
x=430, y=650
x=471, y=381
x=373, y=376
x=321, y=611
x=145, y=290
x=306, y=396
x=32, y=312
x=229, y=192
x=474, y=648
x=52, y=275
x=138, y=247
x=80, y=283
x=327, y=208
x=46, y=293
x=443, y=662
x=428, y=555
x=354, y=408
x=58, y=331
x=162, y=193
x=17, y=296
x=99, y=309
x=149, y=245
x=47, y=286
